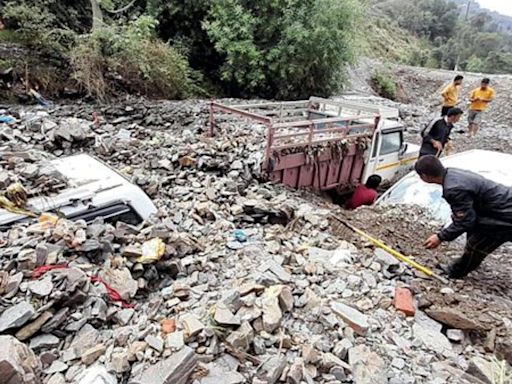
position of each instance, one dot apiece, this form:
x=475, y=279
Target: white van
x=94, y=190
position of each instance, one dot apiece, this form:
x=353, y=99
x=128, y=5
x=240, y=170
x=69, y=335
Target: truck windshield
x=391, y=142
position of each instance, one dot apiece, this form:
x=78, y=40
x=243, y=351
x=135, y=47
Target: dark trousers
x=444, y=110
x=478, y=247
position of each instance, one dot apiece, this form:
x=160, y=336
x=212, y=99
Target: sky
x=502, y=6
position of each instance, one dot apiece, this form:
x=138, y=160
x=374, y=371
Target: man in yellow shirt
x=480, y=98
x=450, y=95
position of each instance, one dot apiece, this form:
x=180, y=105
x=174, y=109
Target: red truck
x=325, y=144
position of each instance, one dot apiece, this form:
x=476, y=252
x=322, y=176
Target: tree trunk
x=97, y=15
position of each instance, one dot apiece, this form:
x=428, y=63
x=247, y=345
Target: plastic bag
x=152, y=250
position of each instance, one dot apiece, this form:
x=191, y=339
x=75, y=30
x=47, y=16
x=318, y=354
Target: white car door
x=387, y=161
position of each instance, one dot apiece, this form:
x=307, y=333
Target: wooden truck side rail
x=306, y=145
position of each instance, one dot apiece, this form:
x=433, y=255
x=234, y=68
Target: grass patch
x=384, y=84
x=10, y=36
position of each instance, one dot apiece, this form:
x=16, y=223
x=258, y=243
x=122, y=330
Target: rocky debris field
x=235, y=280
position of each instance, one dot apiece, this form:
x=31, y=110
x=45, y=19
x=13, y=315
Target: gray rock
x=176, y=369
x=18, y=364
x=13, y=285
x=85, y=338
x=435, y=341
x=56, y=320
x=272, y=369
x=155, y=342
x=242, y=338
x=223, y=316
x=272, y=314
x=58, y=378
x=296, y=372
x=96, y=374
x=220, y=375
x=367, y=366
x=41, y=288
x=286, y=299
x=119, y=362
x=175, y=341
x=191, y=324
x=121, y=280
x=455, y=335
x=16, y=316
x=481, y=369
x=277, y=270
x=44, y=341
x=124, y=316
x=355, y=319
x=57, y=366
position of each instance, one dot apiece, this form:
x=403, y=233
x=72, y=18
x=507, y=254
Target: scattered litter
x=152, y=250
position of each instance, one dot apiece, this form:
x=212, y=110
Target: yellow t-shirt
x=482, y=94
x=450, y=95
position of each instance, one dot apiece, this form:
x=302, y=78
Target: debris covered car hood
x=411, y=190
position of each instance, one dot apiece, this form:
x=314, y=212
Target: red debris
x=40, y=271
x=403, y=301
x=112, y=293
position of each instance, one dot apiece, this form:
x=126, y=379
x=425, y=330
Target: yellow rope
x=391, y=251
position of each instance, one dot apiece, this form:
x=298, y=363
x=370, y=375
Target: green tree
x=283, y=48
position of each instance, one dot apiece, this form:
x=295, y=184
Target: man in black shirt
x=481, y=208
x=437, y=134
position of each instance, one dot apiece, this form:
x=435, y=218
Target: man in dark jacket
x=481, y=208
x=437, y=134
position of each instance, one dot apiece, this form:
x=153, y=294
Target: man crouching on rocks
x=480, y=207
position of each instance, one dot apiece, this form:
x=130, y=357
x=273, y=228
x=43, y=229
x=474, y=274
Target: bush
x=283, y=49
x=130, y=57
x=34, y=25
x=384, y=85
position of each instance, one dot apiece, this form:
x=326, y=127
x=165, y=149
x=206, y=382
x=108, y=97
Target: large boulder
x=18, y=364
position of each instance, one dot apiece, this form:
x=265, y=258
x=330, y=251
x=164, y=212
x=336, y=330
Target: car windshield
x=411, y=190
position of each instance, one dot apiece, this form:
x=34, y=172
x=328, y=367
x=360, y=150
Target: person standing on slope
x=480, y=98
x=450, y=94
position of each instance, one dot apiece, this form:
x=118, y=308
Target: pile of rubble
x=234, y=281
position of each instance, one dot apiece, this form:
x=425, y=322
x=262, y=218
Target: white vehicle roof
x=91, y=184
x=412, y=190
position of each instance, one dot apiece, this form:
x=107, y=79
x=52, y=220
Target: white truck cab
x=388, y=156
x=94, y=190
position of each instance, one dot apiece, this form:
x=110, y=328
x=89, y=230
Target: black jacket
x=440, y=131
x=478, y=204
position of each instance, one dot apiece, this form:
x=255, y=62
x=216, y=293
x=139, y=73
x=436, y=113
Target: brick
x=403, y=301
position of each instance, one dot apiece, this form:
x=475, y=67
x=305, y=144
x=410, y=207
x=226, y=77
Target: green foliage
x=283, y=49
x=474, y=45
x=384, y=85
x=433, y=19
x=134, y=58
x=475, y=64
x=35, y=26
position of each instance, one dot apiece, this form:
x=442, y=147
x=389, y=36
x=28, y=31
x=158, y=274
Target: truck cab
x=93, y=190
x=388, y=156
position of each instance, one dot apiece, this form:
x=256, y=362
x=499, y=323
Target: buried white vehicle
x=94, y=190
x=411, y=190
